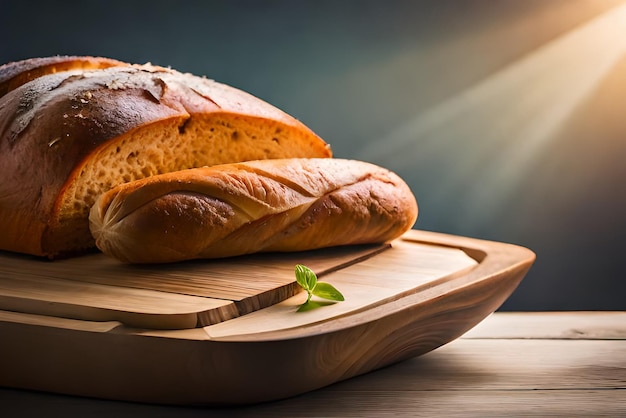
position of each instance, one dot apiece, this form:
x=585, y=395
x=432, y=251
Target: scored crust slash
x=152, y=165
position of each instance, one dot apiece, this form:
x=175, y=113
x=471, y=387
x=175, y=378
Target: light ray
x=482, y=142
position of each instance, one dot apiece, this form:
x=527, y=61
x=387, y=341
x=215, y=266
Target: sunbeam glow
x=479, y=144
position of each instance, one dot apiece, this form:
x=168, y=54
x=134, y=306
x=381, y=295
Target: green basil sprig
x=307, y=279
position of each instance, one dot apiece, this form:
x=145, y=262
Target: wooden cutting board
x=229, y=331
x=170, y=296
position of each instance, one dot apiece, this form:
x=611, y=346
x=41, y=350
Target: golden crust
x=14, y=74
x=234, y=209
x=73, y=127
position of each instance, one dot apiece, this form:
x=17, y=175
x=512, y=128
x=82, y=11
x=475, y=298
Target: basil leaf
x=327, y=291
x=313, y=304
x=305, y=277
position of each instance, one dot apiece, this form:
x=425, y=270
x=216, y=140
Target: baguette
x=259, y=206
x=73, y=127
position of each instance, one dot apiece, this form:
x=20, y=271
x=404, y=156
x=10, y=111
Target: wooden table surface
x=512, y=364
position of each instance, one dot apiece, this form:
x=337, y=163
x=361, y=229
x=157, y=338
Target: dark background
x=506, y=117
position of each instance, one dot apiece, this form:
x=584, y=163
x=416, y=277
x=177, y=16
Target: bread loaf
x=74, y=127
x=259, y=206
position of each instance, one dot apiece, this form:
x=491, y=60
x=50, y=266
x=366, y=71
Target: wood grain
x=405, y=269
x=137, y=307
x=256, y=363
x=595, y=325
x=181, y=295
x=487, y=372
